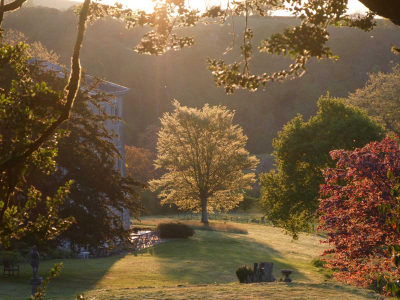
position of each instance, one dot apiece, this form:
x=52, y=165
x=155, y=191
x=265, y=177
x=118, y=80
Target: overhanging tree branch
x=14, y=5
x=389, y=9
x=72, y=89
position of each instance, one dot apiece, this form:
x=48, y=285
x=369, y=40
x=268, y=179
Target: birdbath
x=287, y=273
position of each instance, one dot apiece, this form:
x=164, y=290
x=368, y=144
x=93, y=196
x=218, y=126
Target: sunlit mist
x=354, y=5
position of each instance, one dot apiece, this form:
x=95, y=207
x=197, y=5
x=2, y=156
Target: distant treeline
x=182, y=75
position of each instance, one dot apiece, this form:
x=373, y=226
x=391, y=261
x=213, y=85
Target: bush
x=318, y=263
x=219, y=227
x=60, y=254
x=243, y=272
x=10, y=256
x=175, y=230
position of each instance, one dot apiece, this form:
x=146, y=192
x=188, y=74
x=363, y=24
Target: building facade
x=114, y=108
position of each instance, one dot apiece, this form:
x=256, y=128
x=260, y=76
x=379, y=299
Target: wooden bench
x=10, y=269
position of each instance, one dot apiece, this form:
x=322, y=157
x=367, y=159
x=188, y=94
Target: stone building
x=115, y=108
x=117, y=93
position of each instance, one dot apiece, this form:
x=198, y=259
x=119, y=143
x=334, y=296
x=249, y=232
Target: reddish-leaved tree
x=357, y=210
x=139, y=163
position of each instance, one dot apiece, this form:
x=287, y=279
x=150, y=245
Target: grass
x=179, y=269
x=292, y=291
x=243, y=218
x=216, y=226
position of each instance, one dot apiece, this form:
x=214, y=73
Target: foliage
x=318, y=263
x=88, y=154
x=301, y=42
x=20, y=124
x=359, y=213
x=10, y=256
x=243, y=272
x=139, y=163
x=204, y=156
x=30, y=114
x=380, y=98
x=148, y=138
x=155, y=81
x=225, y=227
x=249, y=203
x=152, y=204
x=290, y=193
x=54, y=272
x=175, y=230
x=35, y=50
x=75, y=154
x=385, y=282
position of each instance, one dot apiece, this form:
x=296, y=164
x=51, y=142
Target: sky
x=354, y=5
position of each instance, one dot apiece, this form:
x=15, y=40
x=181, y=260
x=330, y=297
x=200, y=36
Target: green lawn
x=179, y=269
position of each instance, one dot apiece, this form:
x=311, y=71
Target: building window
x=113, y=110
x=102, y=109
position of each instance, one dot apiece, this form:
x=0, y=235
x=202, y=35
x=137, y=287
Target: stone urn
x=287, y=272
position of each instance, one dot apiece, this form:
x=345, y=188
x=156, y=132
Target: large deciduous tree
x=87, y=155
x=290, y=193
x=27, y=108
x=380, y=98
x=31, y=114
x=359, y=213
x=205, y=160
x=301, y=42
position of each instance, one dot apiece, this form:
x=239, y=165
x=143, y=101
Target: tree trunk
x=204, y=214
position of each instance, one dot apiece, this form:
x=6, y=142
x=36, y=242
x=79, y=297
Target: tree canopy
x=290, y=193
x=27, y=108
x=360, y=215
x=205, y=160
x=154, y=82
x=380, y=98
x=87, y=155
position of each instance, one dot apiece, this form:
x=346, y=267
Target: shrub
x=175, y=230
x=318, y=263
x=359, y=213
x=243, y=272
x=10, y=256
x=219, y=227
x=60, y=254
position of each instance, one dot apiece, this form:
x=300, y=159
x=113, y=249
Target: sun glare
x=354, y=5
x=149, y=4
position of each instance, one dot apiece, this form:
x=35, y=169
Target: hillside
x=183, y=75
x=59, y=4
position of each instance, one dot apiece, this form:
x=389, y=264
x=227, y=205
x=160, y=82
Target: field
x=197, y=268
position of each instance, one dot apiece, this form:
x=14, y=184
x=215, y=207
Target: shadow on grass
x=76, y=276
x=213, y=257
x=208, y=257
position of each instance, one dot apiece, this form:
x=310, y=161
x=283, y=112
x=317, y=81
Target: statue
x=35, y=260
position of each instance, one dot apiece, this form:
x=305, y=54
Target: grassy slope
x=208, y=258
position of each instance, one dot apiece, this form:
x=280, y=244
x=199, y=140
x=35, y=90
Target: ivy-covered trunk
x=204, y=214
